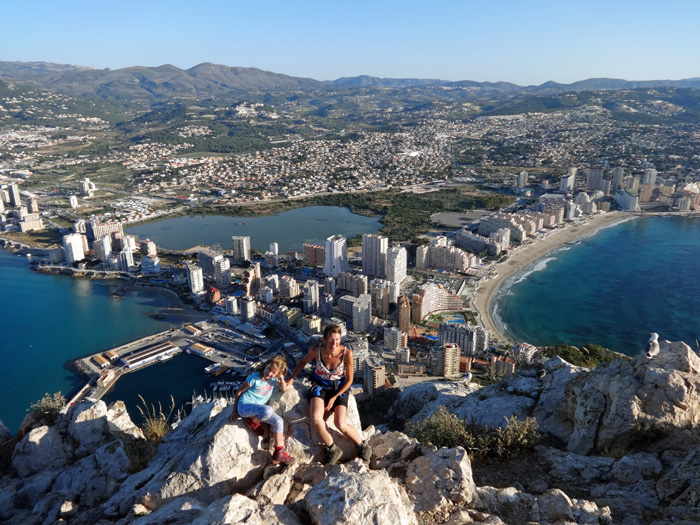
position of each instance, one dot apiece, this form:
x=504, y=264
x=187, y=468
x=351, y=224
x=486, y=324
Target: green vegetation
x=156, y=422
x=590, y=355
x=48, y=407
x=443, y=429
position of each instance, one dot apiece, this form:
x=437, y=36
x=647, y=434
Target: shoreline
x=487, y=290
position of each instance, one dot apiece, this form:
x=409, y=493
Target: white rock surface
x=355, y=498
x=40, y=449
x=441, y=479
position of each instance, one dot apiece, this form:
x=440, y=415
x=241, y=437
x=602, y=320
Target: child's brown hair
x=279, y=361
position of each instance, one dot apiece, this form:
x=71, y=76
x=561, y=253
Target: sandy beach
x=527, y=254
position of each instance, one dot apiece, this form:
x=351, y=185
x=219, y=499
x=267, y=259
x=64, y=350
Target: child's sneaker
x=364, y=451
x=282, y=456
x=255, y=426
x=333, y=454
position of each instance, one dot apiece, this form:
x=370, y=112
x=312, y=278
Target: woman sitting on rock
x=331, y=379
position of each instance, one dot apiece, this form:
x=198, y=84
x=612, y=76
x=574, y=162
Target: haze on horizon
x=521, y=42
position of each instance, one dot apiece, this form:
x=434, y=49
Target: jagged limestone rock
x=353, y=498
x=181, y=511
x=5, y=433
x=304, y=443
x=42, y=448
x=440, y=479
x=240, y=509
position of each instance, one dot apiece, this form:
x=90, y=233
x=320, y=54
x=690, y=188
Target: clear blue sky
x=520, y=41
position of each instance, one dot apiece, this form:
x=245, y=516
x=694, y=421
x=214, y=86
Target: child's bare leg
x=279, y=439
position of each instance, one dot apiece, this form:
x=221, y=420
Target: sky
x=521, y=41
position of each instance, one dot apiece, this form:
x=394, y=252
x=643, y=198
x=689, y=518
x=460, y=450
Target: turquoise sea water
x=48, y=320
x=612, y=288
x=290, y=229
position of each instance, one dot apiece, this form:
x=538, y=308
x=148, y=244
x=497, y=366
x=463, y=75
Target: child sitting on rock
x=251, y=399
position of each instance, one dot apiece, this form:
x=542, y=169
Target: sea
x=611, y=288
x=49, y=320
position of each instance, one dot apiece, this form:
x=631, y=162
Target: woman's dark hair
x=331, y=329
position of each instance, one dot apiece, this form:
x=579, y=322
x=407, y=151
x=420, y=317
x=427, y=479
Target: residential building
x=374, y=375
x=473, y=340
x=396, y=264
x=289, y=288
x=336, y=256
x=314, y=255
x=362, y=313
x=73, y=247
x=404, y=314
x=231, y=305
x=150, y=264
x=393, y=338
x=241, y=247
x=311, y=324
x=311, y=296
x=15, y=199
x=248, y=308
x=374, y=255
x=431, y=298
x=195, y=278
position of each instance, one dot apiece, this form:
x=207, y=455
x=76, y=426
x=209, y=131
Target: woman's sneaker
x=282, y=456
x=333, y=454
x=255, y=426
x=364, y=451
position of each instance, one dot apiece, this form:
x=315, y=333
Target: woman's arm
x=300, y=366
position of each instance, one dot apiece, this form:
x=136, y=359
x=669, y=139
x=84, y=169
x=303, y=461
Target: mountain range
x=210, y=80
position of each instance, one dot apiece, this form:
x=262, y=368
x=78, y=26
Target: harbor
x=226, y=355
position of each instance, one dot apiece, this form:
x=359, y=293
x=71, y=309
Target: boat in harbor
x=216, y=369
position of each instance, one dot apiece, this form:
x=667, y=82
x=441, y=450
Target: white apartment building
x=336, y=256
x=195, y=278
x=432, y=297
x=231, y=304
x=150, y=264
x=241, y=247
x=103, y=248
x=502, y=220
x=374, y=255
x=393, y=338
x=311, y=296
x=443, y=257
x=396, y=264
x=289, y=287
x=362, y=313
x=473, y=340
x=73, y=247
x=627, y=200
x=248, y=308
x=222, y=273
x=126, y=259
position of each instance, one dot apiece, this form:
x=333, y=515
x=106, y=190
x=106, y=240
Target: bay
x=48, y=320
x=612, y=288
x=290, y=229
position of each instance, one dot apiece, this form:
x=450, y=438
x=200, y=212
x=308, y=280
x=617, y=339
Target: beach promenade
x=531, y=252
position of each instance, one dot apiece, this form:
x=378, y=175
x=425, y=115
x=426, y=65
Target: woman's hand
x=331, y=402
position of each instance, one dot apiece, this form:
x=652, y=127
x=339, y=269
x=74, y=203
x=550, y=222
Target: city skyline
x=521, y=43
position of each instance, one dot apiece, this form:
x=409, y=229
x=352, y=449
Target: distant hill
x=151, y=84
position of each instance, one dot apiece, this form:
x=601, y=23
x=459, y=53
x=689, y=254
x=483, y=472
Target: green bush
x=48, y=407
x=443, y=429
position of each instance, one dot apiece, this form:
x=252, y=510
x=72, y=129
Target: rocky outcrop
x=85, y=468
x=589, y=410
